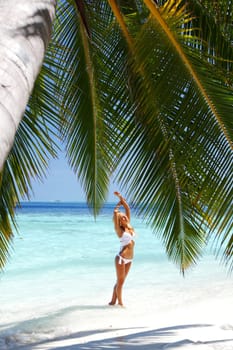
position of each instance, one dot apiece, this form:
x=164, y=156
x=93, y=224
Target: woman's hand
x=117, y=194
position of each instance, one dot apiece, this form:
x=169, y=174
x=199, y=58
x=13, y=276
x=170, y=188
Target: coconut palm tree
x=140, y=90
x=25, y=28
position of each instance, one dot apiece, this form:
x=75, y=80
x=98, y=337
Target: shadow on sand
x=112, y=338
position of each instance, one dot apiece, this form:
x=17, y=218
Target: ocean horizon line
x=59, y=201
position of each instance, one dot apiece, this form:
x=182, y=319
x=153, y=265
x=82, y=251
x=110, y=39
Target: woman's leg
x=114, y=296
x=127, y=268
x=122, y=271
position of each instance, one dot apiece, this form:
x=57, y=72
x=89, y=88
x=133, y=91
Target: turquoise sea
x=61, y=271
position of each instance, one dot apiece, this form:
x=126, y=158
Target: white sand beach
x=194, y=336
x=194, y=327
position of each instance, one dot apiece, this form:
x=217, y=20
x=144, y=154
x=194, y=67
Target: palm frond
x=180, y=158
x=94, y=87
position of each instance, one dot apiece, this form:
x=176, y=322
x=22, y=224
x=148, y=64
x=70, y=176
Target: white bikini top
x=126, y=238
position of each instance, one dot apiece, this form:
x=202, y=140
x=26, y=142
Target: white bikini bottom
x=123, y=260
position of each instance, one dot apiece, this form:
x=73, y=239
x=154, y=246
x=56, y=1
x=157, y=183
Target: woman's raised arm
x=116, y=219
x=124, y=204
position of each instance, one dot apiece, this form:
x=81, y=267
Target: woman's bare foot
x=121, y=305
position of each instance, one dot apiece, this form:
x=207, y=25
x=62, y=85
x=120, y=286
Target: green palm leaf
x=92, y=94
x=170, y=163
x=192, y=125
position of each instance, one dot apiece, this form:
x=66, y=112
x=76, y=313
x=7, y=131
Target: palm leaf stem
x=121, y=22
x=156, y=14
x=81, y=10
x=90, y=72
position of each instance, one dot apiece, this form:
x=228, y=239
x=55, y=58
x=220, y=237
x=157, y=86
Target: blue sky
x=61, y=184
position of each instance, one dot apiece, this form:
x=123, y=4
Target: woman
x=123, y=259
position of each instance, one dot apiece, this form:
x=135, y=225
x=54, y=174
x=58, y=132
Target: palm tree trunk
x=25, y=29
